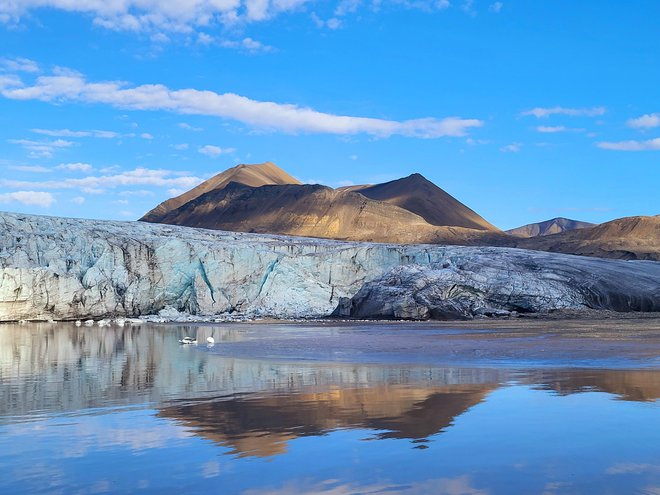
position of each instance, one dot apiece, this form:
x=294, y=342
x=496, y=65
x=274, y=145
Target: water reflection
x=76, y=401
x=254, y=407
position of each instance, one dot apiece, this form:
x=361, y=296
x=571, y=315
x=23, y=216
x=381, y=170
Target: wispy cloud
x=646, y=121
x=648, y=145
x=496, y=7
x=552, y=129
x=77, y=134
x=97, y=183
x=247, y=45
x=36, y=198
x=75, y=167
x=331, y=23
x=215, y=151
x=18, y=64
x=170, y=16
x=42, y=149
x=540, y=112
x=69, y=86
x=34, y=169
x=188, y=127
x=511, y=148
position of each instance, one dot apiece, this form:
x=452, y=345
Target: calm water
x=90, y=410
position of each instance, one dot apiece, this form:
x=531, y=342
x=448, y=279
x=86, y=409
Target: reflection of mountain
x=632, y=385
x=262, y=425
x=256, y=406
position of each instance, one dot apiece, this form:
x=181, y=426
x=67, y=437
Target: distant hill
x=553, y=226
x=624, y=238
x=250, y=175
x=317, y=211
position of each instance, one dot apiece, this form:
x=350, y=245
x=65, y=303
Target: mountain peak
x=254, y=175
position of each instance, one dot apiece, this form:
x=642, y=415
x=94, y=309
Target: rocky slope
x=317, y=211
x=408, y=210
x=552, y=226
x=419, y=195
x=625, y=238
x=66, y=269
x=250, y=175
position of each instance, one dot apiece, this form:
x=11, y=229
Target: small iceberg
x=187, y=340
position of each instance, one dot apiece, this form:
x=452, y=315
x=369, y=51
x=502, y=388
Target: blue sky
x=523, y=110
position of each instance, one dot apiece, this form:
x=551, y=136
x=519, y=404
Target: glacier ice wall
x=61, y=268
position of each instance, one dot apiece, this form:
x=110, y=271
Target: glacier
x=63, y=268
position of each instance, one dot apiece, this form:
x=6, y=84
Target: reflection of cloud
x=210, y=469
x=460, y=485
x=633, y=468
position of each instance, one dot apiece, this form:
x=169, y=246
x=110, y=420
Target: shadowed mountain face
x=412, y=210
x=250, y=175
x=264, y=199
x=317, y=211
x=624, y=238
x=417, y=194
x=549, y=227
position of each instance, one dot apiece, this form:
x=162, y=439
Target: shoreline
x=174, y=317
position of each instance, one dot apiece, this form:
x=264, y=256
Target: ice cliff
x=60, y=268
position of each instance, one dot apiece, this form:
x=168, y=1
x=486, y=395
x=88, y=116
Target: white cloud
x=77, y=134
x=68, y=86
x=511, y=148
x=496, y=7
x=540, y=112
x=95, y=184
x=215, y=151
x=36, y=169
x=140, y=192
x=43, y=199
x=332, y=23
x=347, y=7
x=552, y=129
x=649, y=145
x=205, y=39
x=153, y=15
x=180, y=147
x=248, y=45
x=188, y=127
x=42, y=149
x=647, y=121
x=75, y=167
x=146, y=135
x=18, y=64
x=78, y=200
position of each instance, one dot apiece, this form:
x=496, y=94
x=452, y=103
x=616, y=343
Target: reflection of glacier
x=254, y=406
x=64, y=368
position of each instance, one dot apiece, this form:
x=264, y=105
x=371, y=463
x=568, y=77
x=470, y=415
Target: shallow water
x=276, y=409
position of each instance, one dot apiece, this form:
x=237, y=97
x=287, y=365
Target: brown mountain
x=250, y=175
x=417, y=194
x=624, y=238
x=317, y=211
x=552, y=226
x=263, y=198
